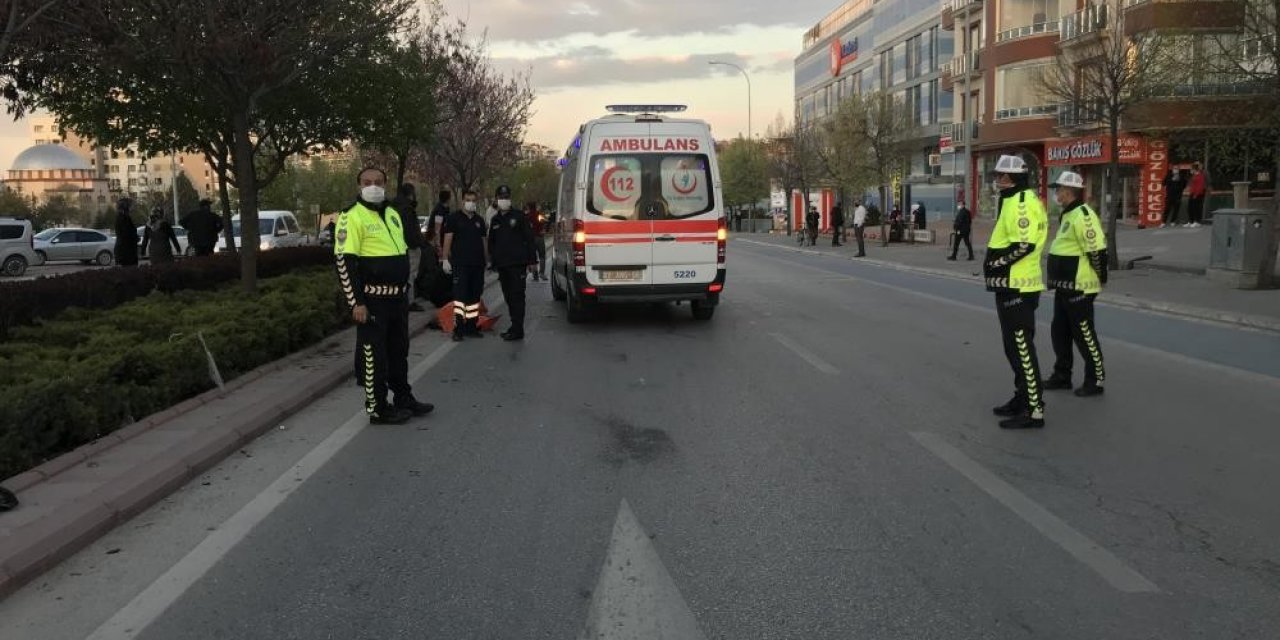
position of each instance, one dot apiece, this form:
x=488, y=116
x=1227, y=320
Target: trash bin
x=1239, y=244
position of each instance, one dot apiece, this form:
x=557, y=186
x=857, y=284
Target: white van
x=276, y=229
x=641, y=217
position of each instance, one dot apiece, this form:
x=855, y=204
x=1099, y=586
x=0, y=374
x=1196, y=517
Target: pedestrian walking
x=859, y=225
x=963, y=227
x=372, y=257
x=203, y=227
x=514, y=257
x=406, y=204
x=1012, y=271
x=1077, y=270
x=837, y=224
x=159, y=240
x=126, y=252
x=1197, y=188
x=811, y=222
x=1174, y=185
x=539, y=222
x=465, y=256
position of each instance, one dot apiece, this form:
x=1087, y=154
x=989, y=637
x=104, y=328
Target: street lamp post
x=748, y=77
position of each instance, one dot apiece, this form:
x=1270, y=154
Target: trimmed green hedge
x=87, y=373
x=25, y=303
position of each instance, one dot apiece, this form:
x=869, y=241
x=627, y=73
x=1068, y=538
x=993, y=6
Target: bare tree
x=483, y=113
x=1101, y=73
x=783, y=163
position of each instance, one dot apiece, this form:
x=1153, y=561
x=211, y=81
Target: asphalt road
x=819, y=461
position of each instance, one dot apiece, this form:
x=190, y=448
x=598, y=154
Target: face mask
x=995, y=186
x=373, y=193
x=469, y=207
x=504, y=204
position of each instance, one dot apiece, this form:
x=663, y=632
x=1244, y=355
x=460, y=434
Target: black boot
x=411, y=404
x=1089, y=389
x=1057, y=383
x=390, y=415
x=1015, y=406
x=1024, y=421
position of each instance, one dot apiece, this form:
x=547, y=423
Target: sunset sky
x=582, y=55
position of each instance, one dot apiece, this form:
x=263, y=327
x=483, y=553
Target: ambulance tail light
x=579, y=243
x=588, y=291
x=715, y=287
x=722, y=237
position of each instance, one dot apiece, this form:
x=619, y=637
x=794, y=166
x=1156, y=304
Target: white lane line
x=1103, y=562
x=146, y=607
x=809, y=356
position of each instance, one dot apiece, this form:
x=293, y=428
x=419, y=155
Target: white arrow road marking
x=636, y=599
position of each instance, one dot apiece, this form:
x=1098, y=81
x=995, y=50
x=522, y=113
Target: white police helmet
x=1010, y=164
x=1069, y=179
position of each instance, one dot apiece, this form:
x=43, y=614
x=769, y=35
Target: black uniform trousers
x=858, y=231
x=1073, y=325
x=540, y=247
x=513, y=283
x=1017, y=314
x=962, y=236
x=382, y=352
x=468, y=286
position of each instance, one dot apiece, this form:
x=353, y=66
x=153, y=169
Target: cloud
x=596, y=66
x=533, y=20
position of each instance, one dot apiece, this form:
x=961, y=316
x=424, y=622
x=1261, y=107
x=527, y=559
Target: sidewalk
x=70, y=501
x=1167, y=290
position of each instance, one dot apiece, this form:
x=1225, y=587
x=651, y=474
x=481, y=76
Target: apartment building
x=891, y=45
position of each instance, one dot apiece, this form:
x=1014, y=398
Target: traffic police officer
x=1077, y=271
x=465, y=256
x=373, y=271
x=1012, y=272
x=511, y=247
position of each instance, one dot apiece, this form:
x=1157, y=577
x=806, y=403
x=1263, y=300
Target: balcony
x=966, y=64
x=952, y=8
x=1080, y=115
x=1211, y=89
x=1038, y=28
x=1026, y=112
x=1086, y=22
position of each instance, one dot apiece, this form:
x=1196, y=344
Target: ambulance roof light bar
x=646, y=108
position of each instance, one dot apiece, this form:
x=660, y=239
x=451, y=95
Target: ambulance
x=641, y=218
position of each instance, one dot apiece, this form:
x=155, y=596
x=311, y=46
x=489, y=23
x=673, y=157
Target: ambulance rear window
x=650, y=186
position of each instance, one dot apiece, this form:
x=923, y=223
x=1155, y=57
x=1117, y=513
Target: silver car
x=85, y=245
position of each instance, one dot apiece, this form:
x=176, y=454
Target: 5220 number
x=686, y=275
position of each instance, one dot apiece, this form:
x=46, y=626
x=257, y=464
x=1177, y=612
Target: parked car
x=85, y=245
x=17, y=246
x=183, y=241
x=276, y=229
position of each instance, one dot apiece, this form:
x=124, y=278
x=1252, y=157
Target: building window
x=899, y=64
x=115, y=155
x=886, y=69
x=1018, y=93
x=39, y=128
x=129, y=154
x=1037, y=16
x=158, y=181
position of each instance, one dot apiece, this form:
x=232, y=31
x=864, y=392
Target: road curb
x=43, y=543
x=1259, y=323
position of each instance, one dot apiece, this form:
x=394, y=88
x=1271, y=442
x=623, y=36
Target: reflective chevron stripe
x=1095, y=351
x=370, y=402
x=1029, y=375
x=384, y=290
x=344, y=280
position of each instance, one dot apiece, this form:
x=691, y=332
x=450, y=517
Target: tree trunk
x=247, y=182
x=1266, y=274
x=224, y=194
x=402, y=163
x=1112, y=205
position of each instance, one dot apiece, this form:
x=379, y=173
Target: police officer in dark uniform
x=511, y=247
x=465, y=256
x=373, y=270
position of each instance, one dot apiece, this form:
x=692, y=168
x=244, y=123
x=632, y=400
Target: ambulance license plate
x=630, y=275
